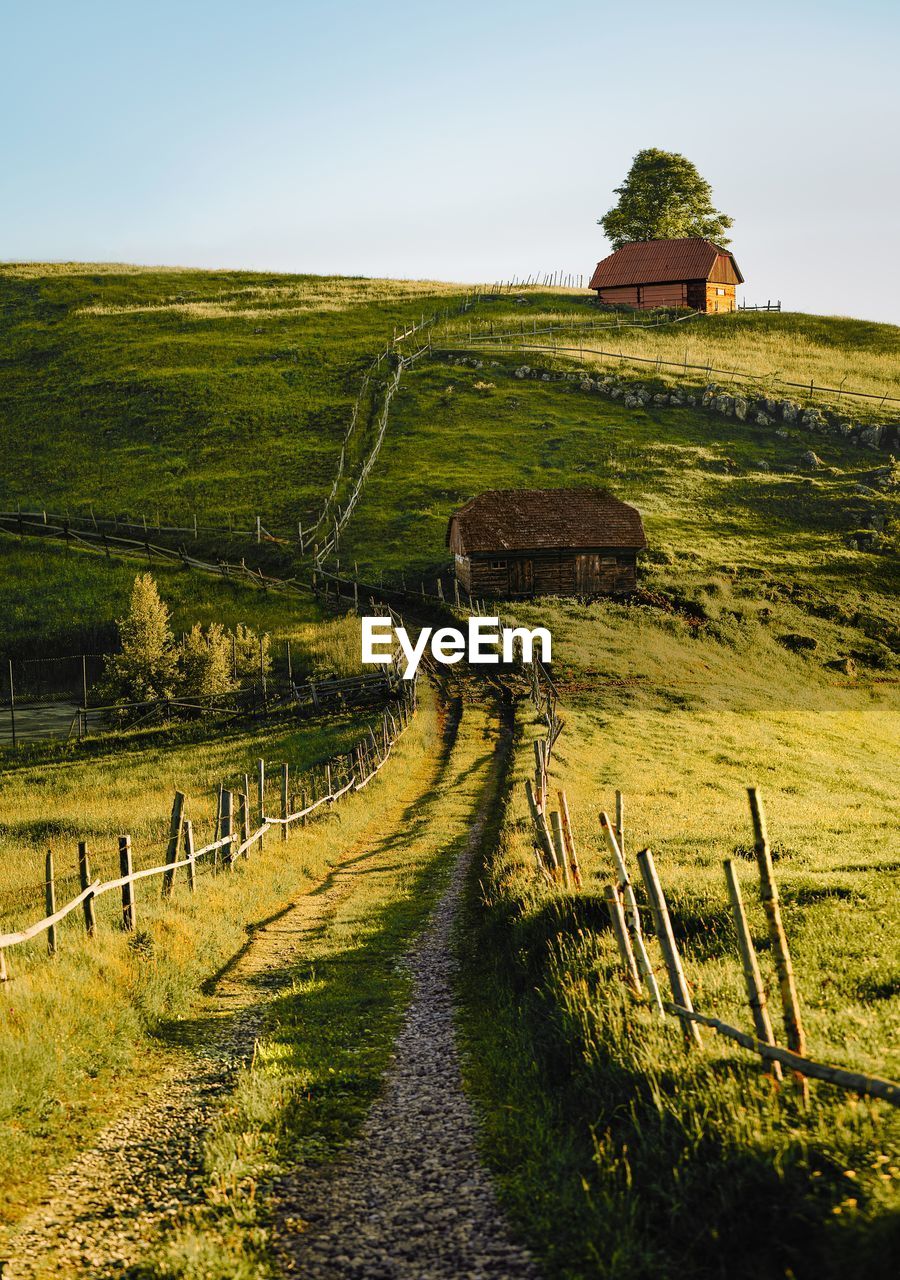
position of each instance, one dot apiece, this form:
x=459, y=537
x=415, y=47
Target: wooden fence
x=325, y=695
x=142, y=526
x=234, y=836
x=23, y=524
x=557, y=863
x=333, y=516
x=521, y=343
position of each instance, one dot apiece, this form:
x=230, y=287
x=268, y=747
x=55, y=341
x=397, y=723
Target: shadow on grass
x=328, y=1031
x=617, y=1154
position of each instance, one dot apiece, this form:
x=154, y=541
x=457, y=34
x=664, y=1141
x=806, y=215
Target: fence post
x=559, y=843
x=84, y=878
x=540, y=828
x=129, y=913
x=617, y=919
x=12, y=704
x=620, y=821
x=188, y=835
x=261, y=795
x=228, y=827
x=569, y=838
x=50, y=900
x=756, y=994
x=284, y=801
x=328, y=777
x=666, y=937
x=790, y=1002
x=244, y=814
x=174, y=834
x=633, y=916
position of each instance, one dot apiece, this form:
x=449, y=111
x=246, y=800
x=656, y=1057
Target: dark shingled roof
x=659, y=262
x=546, y=519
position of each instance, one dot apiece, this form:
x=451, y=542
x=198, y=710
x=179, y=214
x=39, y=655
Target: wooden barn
x=559, y=542
x=691, y=273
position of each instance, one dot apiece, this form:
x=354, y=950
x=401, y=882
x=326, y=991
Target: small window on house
x=720, y=293
x=609, y=560
x=498, y=564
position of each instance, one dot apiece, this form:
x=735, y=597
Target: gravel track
x=146, y=1167
x=411, y=1198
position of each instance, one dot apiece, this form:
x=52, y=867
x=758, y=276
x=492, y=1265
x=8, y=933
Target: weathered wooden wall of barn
x=623, y=296
x=553, y=573
x=463, y=569
x=673, y=294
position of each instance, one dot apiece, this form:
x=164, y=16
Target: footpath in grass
x=321, y=1059
x=312, y=1002
x=80, y=1031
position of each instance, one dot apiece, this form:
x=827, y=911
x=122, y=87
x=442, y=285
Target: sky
x=465, y=141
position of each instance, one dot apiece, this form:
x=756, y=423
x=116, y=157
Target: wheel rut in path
x=109, y=1206
x=411, y=1199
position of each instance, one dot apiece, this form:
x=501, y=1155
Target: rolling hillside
x=762, y=647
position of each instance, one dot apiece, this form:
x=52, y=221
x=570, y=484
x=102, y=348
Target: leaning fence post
x=570, y=839
x=667, y=942
x=790, y=1002
x=84, y=878
x=129, y=913
x=633, y=916
x=284, y=801
x=188, y=830
x=174, y=834
x=540, y=827
x=756, y=994
x=559, y=843
x=617, y=919
x=50, y=900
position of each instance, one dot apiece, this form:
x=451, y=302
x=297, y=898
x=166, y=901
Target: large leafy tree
x=663, y=197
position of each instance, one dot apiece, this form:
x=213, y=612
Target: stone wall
x=761, y=411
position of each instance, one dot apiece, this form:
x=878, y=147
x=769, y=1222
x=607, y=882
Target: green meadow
x=761, y=649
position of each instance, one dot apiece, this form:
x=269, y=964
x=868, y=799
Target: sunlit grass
x=76, y=1036
x=755, y=350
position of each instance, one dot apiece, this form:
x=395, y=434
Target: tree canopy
x=663, y=197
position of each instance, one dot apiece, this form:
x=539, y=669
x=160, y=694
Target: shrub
x=205, y=661
x=147, y=666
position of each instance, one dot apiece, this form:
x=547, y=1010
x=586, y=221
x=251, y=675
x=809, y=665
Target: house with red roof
x=692, y=273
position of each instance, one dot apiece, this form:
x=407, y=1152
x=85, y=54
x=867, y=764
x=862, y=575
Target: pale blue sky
x=464, y=141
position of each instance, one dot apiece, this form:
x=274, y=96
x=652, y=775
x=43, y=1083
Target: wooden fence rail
x=520, y=343
x=637, y=967
x=370, y=761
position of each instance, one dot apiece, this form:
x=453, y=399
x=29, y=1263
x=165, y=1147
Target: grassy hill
x=185, y=391
x=763, y=648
